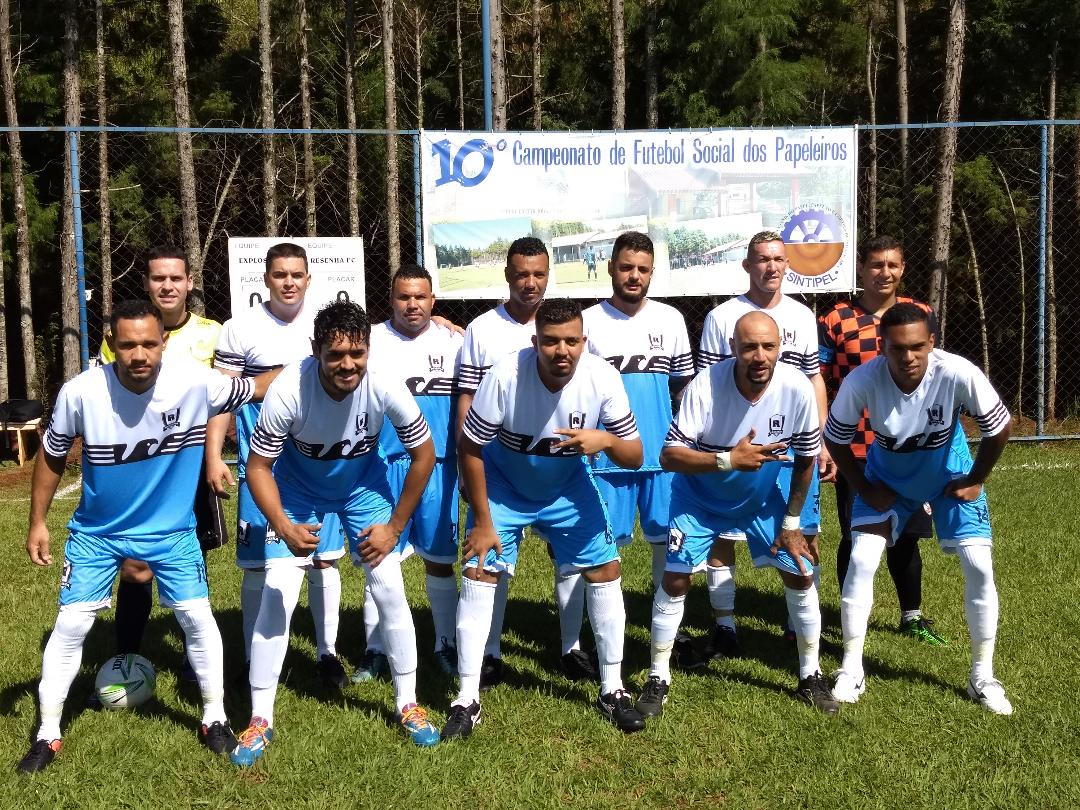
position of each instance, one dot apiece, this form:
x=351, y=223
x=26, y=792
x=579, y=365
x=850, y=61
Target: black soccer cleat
x=684, y=656
x=814, y=690
x=331, y=672
x=653, y=697
x=462, y=721
x=40, y=755
x=578, y=665
x=618, y=707
x=491, y=672
x=724, y=643
x=218, y=737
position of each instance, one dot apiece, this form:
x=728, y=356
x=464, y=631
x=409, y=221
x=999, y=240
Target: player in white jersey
x=503, y=330
x=315, y=451
x=272, y=335
x=423, y=356
x=520, y=472
x=913, y=396
x=142, y=423
x=765, y=264
x=727, y=488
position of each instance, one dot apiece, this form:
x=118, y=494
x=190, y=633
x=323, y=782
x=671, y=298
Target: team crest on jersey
x=787, y=336
x=361, y=423
x=577, y=420
x=776, y=424
x=170, y=419
x=436, y=362
x=935, y=415
x=675, y=540
x=656, y=342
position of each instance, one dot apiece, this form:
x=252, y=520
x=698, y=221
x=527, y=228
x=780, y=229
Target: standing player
x=766, y=264
x=142, y=423
x=272, y=335
x=519, y=472
x=506, y=329
x=727, y=489
x=913, y=397
x=321, y=426
x=849, y=334
x=424, y=357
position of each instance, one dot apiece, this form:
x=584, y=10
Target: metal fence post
x=1040, y=418
x=418, y=220
x=80, y=256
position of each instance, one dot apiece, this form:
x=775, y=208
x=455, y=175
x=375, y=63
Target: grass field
x=732, y=737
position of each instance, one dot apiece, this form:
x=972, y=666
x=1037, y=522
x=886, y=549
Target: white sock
x=570, y=598
x=667, y=614
x=251, y=588
x=804, y=613
x=443, y=595
x=474, y=617
x=980, y=607
x=271, y=638
x=607, y=615
x=204, y=651
x=371, y=621
x=60, y=665
x=659, y=564
x=493, y=646
x=396, y=625
x=324, y=599
x=858, y=598
x=721, y=583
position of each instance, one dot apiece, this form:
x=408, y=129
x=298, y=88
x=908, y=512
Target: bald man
x=737, y=420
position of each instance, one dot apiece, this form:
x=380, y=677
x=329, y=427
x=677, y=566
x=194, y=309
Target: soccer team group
x=577, y=424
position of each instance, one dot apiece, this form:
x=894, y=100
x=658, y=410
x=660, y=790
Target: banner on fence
x=336, y=265
x=700, y=195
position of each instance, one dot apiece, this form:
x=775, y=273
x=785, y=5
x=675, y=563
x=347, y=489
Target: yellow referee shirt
x=196, y=335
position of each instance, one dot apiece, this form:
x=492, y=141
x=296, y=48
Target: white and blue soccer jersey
x=918, y=443
x=256, y=342
x=797, y=325
x=515, y=416
x=647, y=349
x=141, y=453
x=325, y=449
x=427, y=366
x=713, y=416
x=488, y=339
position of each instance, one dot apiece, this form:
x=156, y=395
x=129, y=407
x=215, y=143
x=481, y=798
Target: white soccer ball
x=125, y=681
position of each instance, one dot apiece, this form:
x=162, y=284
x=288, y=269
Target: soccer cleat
x=618, y=707
x=724, y=643
x=653, y=697
x=218, y=737
x=251, y=744
x=41, y=753
x=922, y=629
x=990, y=694
x=373, y=665
x=814, y=690
x=462, y=721
x=846, y=688
x=414, y=720
x=446, y=657
x=491, y=672
x=331, y=672
x=578, y=665
x=685, y=657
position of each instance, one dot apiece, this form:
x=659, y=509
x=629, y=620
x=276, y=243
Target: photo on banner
x=699, y=194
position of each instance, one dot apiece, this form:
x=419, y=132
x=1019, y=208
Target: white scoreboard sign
x=336, y=264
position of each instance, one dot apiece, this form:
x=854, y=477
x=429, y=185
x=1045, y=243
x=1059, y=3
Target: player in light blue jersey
x=315, y=451
x=913, y=396
x=143, y=423
x=424, y=356
x=520, y=472
x=727, y=488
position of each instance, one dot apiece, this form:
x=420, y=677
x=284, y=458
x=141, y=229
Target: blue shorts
x=575, y=526
x=648, y=494
x=810, y=517
x=91, y=563
x=953, y=519
x=691, y=535
x=254, y=548
x=433, y=529
x=367, y=506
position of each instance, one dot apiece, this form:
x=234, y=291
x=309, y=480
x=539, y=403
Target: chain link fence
x=1009, y=284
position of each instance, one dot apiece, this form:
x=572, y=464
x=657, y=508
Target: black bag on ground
x=20, y=410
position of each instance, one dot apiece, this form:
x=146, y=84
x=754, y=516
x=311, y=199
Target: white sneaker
x=990, y=694
x=846, y=688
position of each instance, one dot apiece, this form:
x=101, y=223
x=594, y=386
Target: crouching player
x=726, y=488
x=321, y=425
x=143, y=425
x=913, y=396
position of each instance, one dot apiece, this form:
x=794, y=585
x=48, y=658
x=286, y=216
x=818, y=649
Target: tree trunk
x=189, y=203
x=498, y=68
x=267, y=97
x=352, y=164
x=1051, y=285
x=979, y=301
x=305, y=115
x=69, y=284
x=902, y=97
x=5, y=390
x=538, y=94
x=460, y=65
x=104, y=212
x=759, y=103
x=418, y=65
x=393, y=208
x=618, y=64
x=1018, y=402
x=950, y=107
x=652, y=117
x=32, y=383
x=871, y=94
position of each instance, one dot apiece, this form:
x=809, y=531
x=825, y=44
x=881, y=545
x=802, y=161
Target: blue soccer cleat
x=415, y=721
x=251, y=743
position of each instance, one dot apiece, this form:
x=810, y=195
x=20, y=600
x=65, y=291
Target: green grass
x=732, y=737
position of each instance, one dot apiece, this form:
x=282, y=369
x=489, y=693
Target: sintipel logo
x=814, y=238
